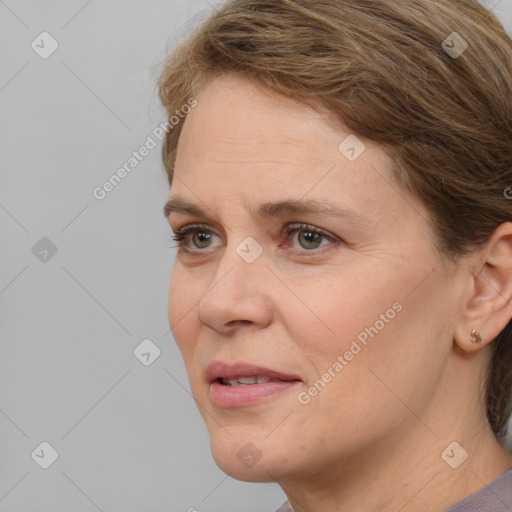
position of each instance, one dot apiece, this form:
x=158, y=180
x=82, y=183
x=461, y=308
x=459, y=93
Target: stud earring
x=475, y=336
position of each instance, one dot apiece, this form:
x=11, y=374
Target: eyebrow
x=271, y=209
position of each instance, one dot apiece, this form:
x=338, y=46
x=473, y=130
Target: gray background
x=129, y=436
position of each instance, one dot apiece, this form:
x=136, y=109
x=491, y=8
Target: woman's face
x=331, y=293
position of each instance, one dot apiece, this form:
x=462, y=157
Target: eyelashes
x=187, y=236
x=182, y=235
x=317, y=233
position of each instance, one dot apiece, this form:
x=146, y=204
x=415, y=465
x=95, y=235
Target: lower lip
x=224, y=395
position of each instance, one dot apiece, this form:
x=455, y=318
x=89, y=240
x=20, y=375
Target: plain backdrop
x=83, y=281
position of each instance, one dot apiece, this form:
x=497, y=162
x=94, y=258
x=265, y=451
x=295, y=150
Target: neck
x=404, y=469
x=409, y=476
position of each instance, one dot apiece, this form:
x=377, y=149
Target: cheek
x=182, y=309
x=387, y=345
x=359, y=325
x=339, y=310
x=175, y=306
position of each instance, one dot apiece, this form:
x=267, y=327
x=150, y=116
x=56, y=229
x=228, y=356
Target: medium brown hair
x=383, y=69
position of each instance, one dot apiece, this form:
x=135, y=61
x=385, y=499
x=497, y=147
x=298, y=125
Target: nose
x=237, y=296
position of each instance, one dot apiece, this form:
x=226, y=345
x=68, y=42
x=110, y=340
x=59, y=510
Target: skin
x=372, y=438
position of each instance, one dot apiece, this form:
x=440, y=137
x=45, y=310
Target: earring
x=475, y=336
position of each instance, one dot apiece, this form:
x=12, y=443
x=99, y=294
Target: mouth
x=243, y=374
x=241, y=385
x=246, y=381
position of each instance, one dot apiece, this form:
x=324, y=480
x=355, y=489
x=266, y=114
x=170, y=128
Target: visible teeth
x=245, y=381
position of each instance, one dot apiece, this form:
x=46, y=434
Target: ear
x=489, y=308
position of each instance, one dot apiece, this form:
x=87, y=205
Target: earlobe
x=489, y=309
x=470, y=335
x=475, y=336
x=470, y=339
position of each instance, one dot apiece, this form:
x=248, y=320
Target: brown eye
x=309, y=239
x=201, y=239
x=194, y=238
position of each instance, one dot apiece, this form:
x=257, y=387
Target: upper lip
x=220, y=370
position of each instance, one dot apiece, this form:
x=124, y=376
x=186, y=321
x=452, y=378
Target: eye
x=200, y=237
x=309, y=237
x=195, y=238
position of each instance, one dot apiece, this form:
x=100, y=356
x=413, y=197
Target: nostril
x=234, y=323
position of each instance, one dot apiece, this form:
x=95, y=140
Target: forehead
x=235, y=120
x=236, y=124
x=242, y=141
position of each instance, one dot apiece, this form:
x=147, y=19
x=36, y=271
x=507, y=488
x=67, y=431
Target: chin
x=244, y=459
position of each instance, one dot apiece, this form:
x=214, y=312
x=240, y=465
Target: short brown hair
x=383, y=68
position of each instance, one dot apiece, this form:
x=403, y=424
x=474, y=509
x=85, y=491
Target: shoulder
x=494, y=497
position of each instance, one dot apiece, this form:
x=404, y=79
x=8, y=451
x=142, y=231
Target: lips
x=242, y=385
x=244, y=374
